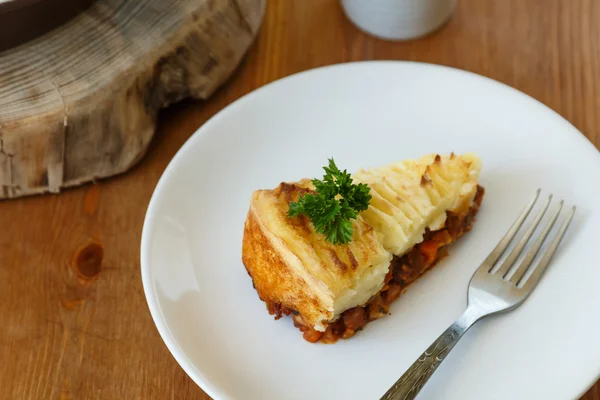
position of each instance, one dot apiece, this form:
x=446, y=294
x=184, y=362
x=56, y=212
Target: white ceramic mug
x=399, y=19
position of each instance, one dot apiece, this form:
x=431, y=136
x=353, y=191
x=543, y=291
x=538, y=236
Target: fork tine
x=512, y=257
x=524, y=266
x=507, y=239
x=543, y=264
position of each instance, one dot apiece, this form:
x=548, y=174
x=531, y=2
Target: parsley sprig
x=336, y=202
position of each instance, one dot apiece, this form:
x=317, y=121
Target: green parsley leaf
x=337, y=201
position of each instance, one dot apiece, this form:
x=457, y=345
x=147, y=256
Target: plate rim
x=148, y=286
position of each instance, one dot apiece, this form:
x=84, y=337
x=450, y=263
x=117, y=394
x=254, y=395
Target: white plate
x=366, y=114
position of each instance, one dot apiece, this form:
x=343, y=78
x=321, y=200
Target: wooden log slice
x=80, y=103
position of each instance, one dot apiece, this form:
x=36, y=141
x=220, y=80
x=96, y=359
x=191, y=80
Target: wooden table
x=75, y=324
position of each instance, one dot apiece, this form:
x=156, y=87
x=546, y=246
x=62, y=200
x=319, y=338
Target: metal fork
x=492, y=290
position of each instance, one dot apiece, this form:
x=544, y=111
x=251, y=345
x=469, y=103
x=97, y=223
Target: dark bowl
x=24, y=20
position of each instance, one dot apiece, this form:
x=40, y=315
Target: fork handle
x=410, y=384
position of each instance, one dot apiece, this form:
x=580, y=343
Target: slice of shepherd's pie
x=338, y=262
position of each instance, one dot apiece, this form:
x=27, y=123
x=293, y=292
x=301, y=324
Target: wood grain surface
x=75, y=324
x=80, y=103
